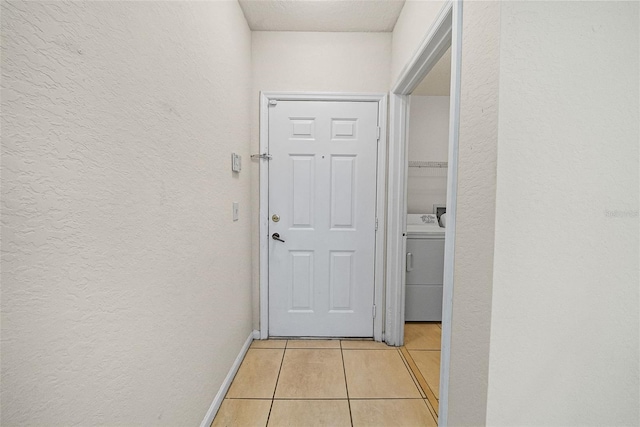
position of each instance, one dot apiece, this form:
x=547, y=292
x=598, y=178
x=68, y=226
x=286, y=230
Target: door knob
x=276, y=236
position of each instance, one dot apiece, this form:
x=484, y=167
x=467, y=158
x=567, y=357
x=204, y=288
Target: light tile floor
x=422, y=352
x=337, y=383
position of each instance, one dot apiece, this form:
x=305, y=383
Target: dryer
x=424, y=268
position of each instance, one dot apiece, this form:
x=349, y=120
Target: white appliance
x=425, y=268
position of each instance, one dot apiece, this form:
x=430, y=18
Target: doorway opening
x=427, y=153
x=443, y=36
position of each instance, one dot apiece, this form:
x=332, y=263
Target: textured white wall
x=125, y=292
x=313, y=62
x=412, y=26
x=564, y=331
x=473, y=270
x=305, y=61
x=428, y=141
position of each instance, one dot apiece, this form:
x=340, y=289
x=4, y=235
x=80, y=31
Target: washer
x=425, y=268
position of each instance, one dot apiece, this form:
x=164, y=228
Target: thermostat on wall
x=236, y=162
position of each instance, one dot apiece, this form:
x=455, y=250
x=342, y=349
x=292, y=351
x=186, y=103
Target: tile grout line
x=429, y=394
x=329, y=398
x=344, y=371
x=284, y=350
x=411, y=374
x=431, y=410
x=411, y=364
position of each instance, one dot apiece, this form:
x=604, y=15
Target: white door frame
x=446, y=31
x=381, y=99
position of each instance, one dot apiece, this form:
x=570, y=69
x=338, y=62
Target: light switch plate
x=236, y=211
x=236, y=162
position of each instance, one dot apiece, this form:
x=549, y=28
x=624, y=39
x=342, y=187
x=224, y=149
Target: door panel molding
x=342, y=131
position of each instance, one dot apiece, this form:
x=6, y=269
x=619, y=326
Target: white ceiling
x=438, y=81
x=322, y=15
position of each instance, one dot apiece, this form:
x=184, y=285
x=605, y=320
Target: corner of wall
x=476, y=209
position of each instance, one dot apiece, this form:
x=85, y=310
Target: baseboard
x=217, y=401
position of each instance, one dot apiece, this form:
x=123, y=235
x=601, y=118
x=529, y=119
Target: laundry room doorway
x=426, y=220
x=444, y=35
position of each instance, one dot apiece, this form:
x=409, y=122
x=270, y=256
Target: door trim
x=435, y=43
x=446, y=30
x=381, y=99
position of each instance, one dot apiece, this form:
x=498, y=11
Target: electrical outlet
x=236, y=211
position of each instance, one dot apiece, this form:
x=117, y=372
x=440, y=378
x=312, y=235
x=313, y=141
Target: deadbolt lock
x=275, y=218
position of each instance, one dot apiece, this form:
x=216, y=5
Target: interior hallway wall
x=314, y=62
x=410, y=29
x=125, y=291
x=565, y=325
x=475, y=233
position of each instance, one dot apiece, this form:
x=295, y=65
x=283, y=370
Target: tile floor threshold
x=311, y=382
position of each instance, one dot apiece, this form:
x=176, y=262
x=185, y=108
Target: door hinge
x=273, y=102
x=374, y=311
x=376, y=224
x=378, y=133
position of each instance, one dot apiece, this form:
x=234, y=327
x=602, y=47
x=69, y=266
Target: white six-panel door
x=322, y=203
